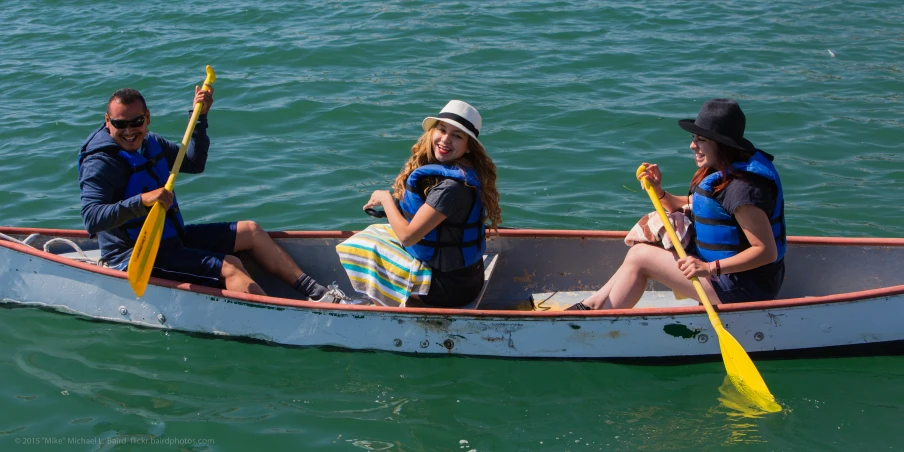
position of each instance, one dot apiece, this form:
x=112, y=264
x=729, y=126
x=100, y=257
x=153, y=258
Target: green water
x=317, y=104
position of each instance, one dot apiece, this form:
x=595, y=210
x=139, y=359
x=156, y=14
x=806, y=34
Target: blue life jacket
x=150, y=171
x=718, y=235
x=473, y=242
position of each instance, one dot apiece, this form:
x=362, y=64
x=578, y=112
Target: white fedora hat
x=459, y=114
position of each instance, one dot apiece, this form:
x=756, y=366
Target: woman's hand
x=654, y=176
x=692, y=266
x=379, y=198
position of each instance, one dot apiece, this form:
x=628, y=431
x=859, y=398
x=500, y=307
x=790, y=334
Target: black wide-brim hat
x=720, y=120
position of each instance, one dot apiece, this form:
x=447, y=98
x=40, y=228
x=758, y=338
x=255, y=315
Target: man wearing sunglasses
x=122, y=170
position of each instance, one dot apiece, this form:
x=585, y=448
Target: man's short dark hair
x=127, y=96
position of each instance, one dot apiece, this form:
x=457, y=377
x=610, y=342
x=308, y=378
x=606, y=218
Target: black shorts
x=455, y=288
x=762, y=283
x=199, y=258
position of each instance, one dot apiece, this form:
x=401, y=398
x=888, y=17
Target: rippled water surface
x=317, y=104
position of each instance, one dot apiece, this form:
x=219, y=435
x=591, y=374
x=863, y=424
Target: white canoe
x=840, y=295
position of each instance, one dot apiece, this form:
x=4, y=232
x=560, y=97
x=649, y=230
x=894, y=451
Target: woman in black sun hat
x=739, y=222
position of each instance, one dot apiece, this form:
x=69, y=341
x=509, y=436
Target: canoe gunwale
x=565, y=233
x=525, y=315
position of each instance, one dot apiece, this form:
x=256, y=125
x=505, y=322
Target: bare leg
x=597, y=300
x=644, y=262
x=270, y=256
x=237, y=278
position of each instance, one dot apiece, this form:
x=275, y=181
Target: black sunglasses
x=126, y=123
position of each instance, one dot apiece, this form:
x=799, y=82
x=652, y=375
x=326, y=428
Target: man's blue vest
x=150, y=171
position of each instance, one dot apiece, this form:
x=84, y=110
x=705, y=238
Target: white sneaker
x=332, y=295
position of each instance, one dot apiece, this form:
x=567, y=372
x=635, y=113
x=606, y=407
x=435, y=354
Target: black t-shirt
x=453, y=199
x=753, y=189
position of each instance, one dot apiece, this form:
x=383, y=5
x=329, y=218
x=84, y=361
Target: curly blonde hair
x=422, y=154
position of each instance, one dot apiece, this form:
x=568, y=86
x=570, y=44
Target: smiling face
x=130, y=136
x=449, y=142
x=705, y=151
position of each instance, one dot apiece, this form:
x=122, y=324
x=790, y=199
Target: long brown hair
x=725, y=156
x=477, y=158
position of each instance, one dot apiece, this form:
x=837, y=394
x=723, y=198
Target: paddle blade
x=743, y=374
x=738, y=405
x=145, y=252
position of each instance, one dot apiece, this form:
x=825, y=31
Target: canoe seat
x=557, y=301
x=91, y=256
x=489, y=264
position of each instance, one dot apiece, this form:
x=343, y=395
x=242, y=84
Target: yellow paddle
x=145, y=251
x=740, y=368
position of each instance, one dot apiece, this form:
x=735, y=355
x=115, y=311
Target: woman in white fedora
x=440, y=202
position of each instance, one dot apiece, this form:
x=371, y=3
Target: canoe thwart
x=489, y=264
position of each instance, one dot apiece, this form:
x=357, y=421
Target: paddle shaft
x=680, y=249
x=186, y=139
x=148, y=241
x=740, y=368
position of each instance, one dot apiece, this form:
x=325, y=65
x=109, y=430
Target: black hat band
x=461, y=120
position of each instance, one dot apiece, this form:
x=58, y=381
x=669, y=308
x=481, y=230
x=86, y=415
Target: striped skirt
x=380, y=268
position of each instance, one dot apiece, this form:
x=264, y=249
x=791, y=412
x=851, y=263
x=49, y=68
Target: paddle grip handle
x=375, y=213
x=186, y=139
